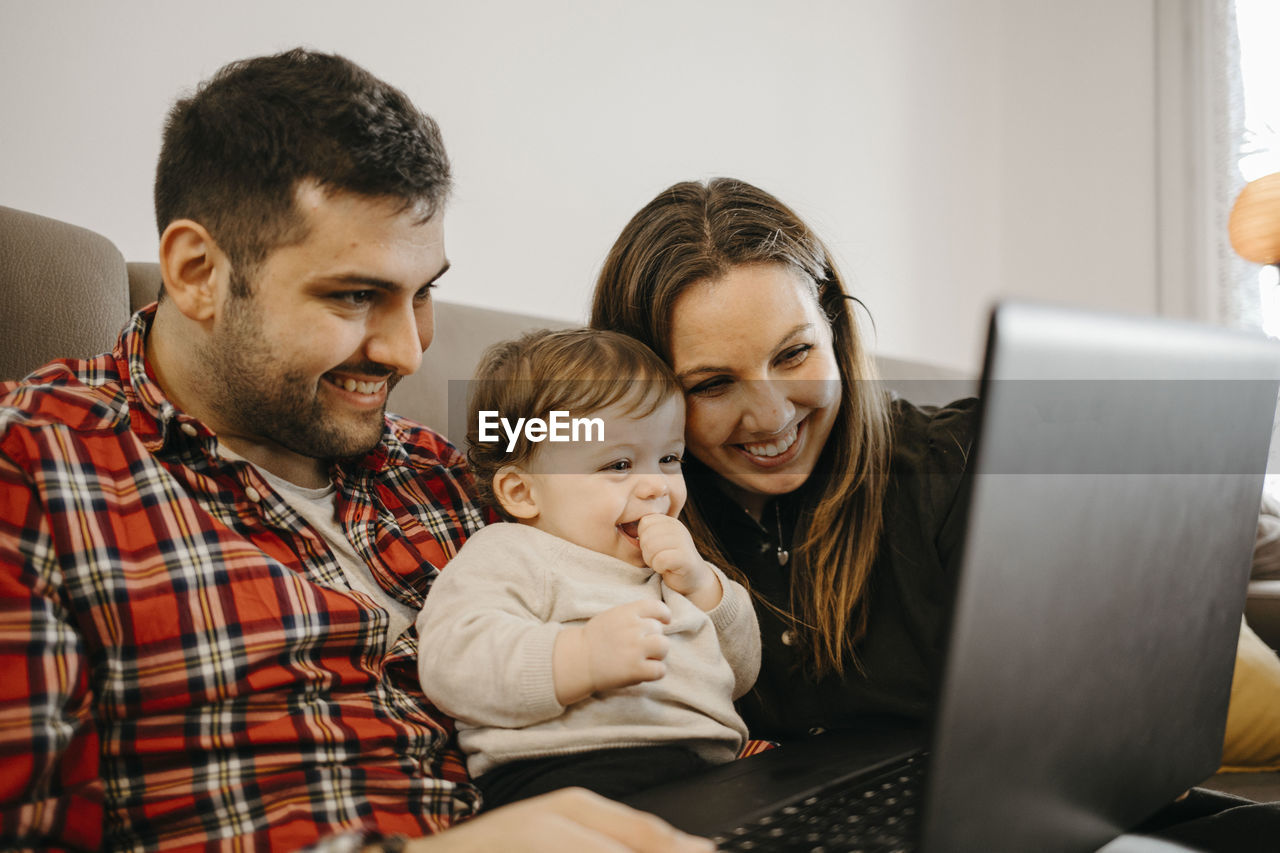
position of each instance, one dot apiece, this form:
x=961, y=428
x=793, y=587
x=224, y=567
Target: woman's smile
x=776, y=451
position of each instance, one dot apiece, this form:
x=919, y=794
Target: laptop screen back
x=1116, y=486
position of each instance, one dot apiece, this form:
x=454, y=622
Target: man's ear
x=193, y=268
x=513, y=487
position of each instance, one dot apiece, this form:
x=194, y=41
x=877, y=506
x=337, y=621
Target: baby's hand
x=668, y=549
x=622, y=646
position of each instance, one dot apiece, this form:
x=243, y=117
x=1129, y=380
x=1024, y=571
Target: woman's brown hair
x=697, y=232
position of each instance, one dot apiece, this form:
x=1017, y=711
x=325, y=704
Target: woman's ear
x=192, y=267
x=513, y=487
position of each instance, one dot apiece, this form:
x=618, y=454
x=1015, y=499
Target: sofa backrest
x=63, y=292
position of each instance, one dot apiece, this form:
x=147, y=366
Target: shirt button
x=252, y=494
x=817, y=730
x=764, y=547
x=788, y=638
x=190, y=429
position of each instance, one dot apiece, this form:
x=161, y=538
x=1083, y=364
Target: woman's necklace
x=783, y=554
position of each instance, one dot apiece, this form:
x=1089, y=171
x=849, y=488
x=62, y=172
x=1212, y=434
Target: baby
x=584, y=641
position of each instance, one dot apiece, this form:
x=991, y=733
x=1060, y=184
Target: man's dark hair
x=235, y=151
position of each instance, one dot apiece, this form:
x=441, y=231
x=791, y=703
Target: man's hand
x=622, y=646
x=569, y=819
x=668, y=549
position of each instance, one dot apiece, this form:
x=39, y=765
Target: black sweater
x=910, y=586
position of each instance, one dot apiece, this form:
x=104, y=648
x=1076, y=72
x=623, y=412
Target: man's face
x=305, y=362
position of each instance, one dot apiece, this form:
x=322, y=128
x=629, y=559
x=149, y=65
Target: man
x=213, y=541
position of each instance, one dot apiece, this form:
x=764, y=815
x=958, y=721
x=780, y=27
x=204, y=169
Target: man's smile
x=357, y=384
x=366, y=387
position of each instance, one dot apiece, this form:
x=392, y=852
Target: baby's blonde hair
x=580, y=371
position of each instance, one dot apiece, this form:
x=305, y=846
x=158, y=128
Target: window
x=1258, y=132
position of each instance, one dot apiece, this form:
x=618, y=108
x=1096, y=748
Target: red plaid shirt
x=182, y=664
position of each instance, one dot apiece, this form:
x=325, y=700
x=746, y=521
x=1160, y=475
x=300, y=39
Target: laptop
x=1117, y=476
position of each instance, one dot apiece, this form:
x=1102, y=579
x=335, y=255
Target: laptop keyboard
x=880, y=813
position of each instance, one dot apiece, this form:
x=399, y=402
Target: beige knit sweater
x=489, y=625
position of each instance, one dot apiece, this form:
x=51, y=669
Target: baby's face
x=594, y=493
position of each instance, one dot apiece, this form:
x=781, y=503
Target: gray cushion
x=63, y=292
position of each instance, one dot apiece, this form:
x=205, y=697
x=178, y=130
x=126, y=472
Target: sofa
x=67, y=291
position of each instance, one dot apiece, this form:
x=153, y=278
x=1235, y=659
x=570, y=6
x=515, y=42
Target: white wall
x=949, y=151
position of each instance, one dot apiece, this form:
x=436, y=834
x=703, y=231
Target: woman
x=839, y=507
x=841, y=511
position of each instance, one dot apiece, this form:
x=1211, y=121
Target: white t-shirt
x=317, y=507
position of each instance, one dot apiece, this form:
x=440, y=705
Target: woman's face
x=753, y=352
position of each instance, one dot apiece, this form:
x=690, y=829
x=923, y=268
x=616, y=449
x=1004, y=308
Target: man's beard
x=251, y=393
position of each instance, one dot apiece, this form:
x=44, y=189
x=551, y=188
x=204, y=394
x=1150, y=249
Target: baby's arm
x=484, y=645
x=739, y=633
x=668, y=549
